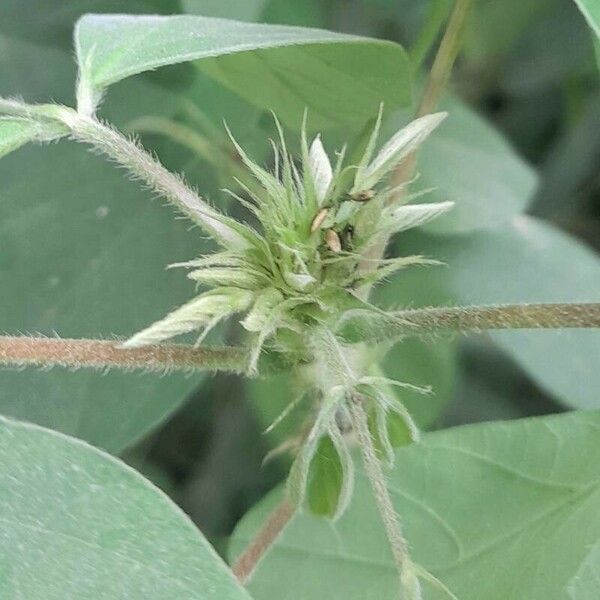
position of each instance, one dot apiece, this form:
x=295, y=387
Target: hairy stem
x=437, y=79
x=139, y=162
x=248, y=560
x=436, y=82
x=510, y=316
x=434, y=20
x=104, y=354
x=209, y=150
x=408, y=581
x=141, y=165
x=445, y=57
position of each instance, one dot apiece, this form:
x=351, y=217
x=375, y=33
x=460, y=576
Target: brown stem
x=256, y=549
x=104, y=354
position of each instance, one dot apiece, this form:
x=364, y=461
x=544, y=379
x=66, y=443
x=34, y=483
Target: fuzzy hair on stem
x=511, y=316
x=409, y=582
x=22, y=351
x=129, y=154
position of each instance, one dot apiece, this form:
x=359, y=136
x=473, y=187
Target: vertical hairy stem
x=436, y=82
x=434, y=20
x=438, y=78
x=408, y=580
x=444, y=60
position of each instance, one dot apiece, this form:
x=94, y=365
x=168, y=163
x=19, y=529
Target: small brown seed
x=318, y=220
x=332, y=239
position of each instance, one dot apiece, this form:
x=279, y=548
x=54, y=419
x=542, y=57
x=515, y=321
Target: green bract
x=302, y=270
x=296, y=283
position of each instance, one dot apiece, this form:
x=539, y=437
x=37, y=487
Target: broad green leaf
x=586, y=582
x=501, y=511
x=537, y=67
x=524, y=261
x=77, y=523
x=591, y=12
x=84, y=252
x=466, y=160
x=496, y=27
x=339, y=78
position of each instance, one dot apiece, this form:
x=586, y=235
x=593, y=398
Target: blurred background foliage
x=89, y=260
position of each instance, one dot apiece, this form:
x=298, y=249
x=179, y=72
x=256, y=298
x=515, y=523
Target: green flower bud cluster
x=295, y=282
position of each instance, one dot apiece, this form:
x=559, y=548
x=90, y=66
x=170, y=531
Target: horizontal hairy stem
x=103, y=354
x=509, y=316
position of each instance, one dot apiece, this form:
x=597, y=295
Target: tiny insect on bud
x=347, y=236
x=363, y=196
x=318, y=220
x=332, y=239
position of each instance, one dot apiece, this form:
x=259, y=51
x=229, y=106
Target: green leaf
x=325, y=479
x=502, y=511
x=586, y=582
x=536, y=67
x=15, y=133
x=524, y=261
x=77, y=523
x=496, y=27
x=84, y=254
x=467, y=161
x=339, y=78
x=591, y=12
x=96, y=269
